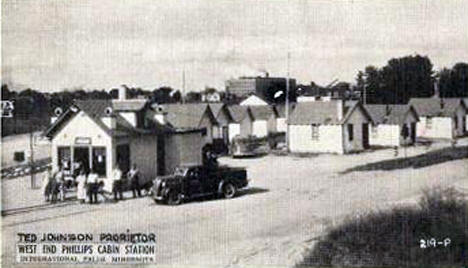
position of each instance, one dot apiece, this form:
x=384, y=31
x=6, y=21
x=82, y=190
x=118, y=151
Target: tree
x=193, y=97
x=360, y=82
x=371, y=85
x=399, y=80
x=454, y=82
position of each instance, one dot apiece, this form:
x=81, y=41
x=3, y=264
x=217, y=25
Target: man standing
x=93, y=187
x=117, y=184
x=133, y=175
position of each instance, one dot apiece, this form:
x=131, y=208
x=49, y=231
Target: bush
x=393, y=238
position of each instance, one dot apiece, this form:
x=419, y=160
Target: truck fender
x=220, y=187
x=165, y=191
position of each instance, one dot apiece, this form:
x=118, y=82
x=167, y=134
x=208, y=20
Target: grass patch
x=393, y=238
x=419, y=161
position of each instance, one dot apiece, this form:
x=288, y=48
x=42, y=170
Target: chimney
x=340, y=109
x=109, y=119
x=122, y=93
x=57, y=113
x=160, y=113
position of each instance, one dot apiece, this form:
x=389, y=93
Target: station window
x=99, y=160
x=64, y=155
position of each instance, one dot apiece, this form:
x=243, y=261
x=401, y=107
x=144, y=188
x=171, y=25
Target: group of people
x=89, y=186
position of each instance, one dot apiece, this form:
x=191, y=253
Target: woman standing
x=46, y=184
x=81, y=188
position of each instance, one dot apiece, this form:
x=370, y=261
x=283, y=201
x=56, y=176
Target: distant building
x=263, y=87
x=395, y=125
x=253, y=99
x=211, y=96
x=440, y=117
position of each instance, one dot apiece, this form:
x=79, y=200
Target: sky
x=54, y=45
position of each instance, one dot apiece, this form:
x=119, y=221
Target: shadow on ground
x=433, y=234
x=214, y=198
x=419, y=161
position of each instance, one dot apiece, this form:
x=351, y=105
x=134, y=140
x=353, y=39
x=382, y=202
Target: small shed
x=187, y=116
x=443, y=118
x=264, y=120
x=241, y=123
x=395, y=125
x=280, y=109
x=329, y=127
x=223, y=118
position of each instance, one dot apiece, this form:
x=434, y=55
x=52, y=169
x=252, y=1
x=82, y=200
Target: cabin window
x=375, y=132
x=315, y=131
x=428, y=122
x=350, y=132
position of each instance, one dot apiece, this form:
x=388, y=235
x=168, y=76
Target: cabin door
x=365, y=136
x=81, y=155
x=225, y=132
x=413, y=133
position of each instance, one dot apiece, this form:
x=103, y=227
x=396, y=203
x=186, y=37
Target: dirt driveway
x=291, y=202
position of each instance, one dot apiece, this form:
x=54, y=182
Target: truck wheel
x=229, y=190
x=174, y=198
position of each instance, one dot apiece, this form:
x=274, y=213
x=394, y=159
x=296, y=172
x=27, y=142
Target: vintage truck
x=195, y=181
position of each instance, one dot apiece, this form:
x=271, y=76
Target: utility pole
x=287, y=104
x=183, y=86
x=31, y=160
x=364, y=95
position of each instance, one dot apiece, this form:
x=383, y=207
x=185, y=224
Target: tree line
x=395, y=83
x=33, y=108
x=411, y=77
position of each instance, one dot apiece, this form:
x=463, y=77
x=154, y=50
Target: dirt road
x=291, y=202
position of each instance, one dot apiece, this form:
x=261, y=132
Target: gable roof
x=280, y=109
x=433, y=106
x=261, y=112
x=253, y=97
x=187, y=115
x=389, y=114
x=323, y=112
x=218, y=107
x=95, y=109
x=238, y=112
